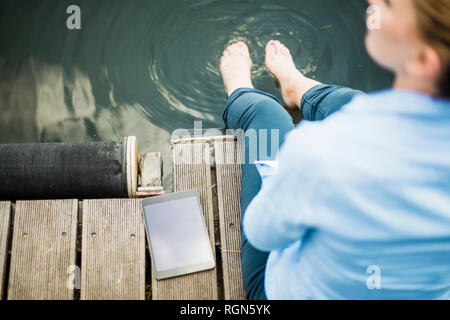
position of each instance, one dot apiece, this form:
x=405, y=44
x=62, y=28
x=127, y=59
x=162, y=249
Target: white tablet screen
x=177, y=234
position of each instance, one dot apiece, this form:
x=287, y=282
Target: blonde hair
x=434, y=28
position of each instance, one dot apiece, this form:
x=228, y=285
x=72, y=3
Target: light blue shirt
x=359, y=207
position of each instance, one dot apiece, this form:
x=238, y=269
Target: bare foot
x=235, y=66
x=293, y=84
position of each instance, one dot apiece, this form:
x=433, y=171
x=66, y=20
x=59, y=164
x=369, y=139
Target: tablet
x=177, y=234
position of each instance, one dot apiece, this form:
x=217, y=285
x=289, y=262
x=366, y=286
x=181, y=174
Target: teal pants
x=251, y=109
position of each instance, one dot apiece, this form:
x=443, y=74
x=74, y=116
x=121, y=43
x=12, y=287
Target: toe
x=242, y=48
x=277, y=47
x=234, y=48
x=270, y=47
x=284, y=49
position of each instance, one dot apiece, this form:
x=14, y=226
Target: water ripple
x=147, y=67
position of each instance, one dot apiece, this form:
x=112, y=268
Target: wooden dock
x=96, y=249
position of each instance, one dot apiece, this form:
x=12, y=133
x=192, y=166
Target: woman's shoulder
x=397, y=101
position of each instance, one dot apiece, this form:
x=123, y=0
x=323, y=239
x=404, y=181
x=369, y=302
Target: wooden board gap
x=7, y=262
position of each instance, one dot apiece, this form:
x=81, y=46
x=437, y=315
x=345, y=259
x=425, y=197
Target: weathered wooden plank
x=229, y=157
x=113, y=250
x=192, y=170
x=43, y=248
x=5, y=214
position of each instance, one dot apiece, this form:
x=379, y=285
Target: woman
x=360, y=205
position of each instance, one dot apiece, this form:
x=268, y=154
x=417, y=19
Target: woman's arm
x=284, y=208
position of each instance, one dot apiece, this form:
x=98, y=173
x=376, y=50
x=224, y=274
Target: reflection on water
x=146, y=68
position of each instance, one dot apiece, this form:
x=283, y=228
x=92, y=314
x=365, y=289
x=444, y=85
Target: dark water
x=148, y=67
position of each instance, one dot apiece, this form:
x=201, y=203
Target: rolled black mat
x=63, y=170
